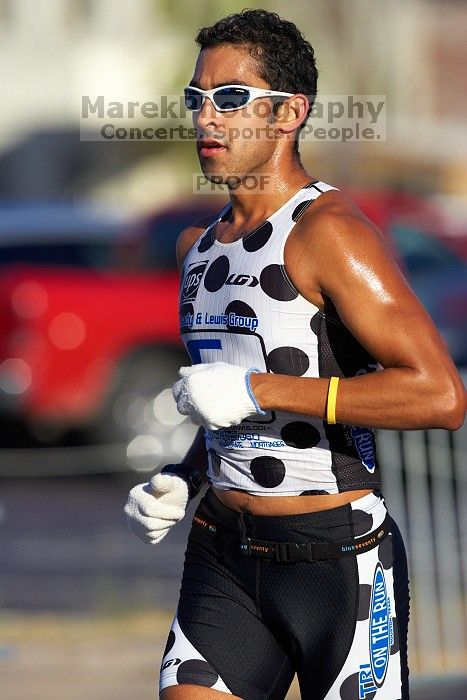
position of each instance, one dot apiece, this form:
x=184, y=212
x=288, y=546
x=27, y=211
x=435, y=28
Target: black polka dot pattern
x=197, y=672
x=314, y=492
x=274, y=283
x=385, y=554
x=239, y=308
x=206, y=242
x=267, y=471
x=288, y=360
x=300, y=434
x=217, y=273
x=233, y=285
x=215, y=462
x=185, y=311
x=258, y=238
x=395, y=646
x=300, y=208
x=364, y=597
x=362, y=522
x=349, y=689
x=315, y=323
x=170, y=643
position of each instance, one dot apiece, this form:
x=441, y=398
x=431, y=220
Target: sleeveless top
x=238, y=305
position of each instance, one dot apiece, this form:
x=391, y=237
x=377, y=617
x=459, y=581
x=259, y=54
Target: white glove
x=216, y=395
x=153, y=508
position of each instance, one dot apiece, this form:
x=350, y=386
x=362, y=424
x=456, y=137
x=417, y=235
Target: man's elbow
x=451, y=406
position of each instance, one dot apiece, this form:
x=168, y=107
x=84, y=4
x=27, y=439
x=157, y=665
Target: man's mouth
x=210, y=147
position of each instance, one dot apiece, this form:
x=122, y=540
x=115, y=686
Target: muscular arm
x=341, y=256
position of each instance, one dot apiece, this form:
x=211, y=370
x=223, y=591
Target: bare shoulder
x=188, y=237
x=332, y=244
x=335, y=223
x=333, y=231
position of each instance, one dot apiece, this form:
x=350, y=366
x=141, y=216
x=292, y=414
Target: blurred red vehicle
x=88, y=317
x=389, y=208
x=431, y=248
x=88, y=309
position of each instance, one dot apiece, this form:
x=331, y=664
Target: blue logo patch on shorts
x=380, y=627
x=371, y=676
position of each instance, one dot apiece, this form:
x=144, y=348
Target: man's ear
x=291, y=113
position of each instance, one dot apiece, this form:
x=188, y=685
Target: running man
x=302, y=333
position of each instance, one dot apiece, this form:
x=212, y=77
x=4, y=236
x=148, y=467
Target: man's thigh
x=217, y=640
x=374, y=665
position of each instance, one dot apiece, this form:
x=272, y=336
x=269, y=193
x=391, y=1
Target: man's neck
x=263, y=193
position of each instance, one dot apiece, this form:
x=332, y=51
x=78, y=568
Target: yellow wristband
x=332, y=399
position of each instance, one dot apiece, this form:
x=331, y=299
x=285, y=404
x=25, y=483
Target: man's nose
x=208, y=113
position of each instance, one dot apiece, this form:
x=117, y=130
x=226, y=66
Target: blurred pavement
x=66, y=547
x=54, y=657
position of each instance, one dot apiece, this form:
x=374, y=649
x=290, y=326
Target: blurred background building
x=89, y=337
x=54, y=52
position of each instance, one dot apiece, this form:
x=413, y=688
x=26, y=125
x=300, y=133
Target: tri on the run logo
x=381, y=637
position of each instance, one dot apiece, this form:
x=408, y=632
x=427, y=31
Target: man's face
x=246, y=145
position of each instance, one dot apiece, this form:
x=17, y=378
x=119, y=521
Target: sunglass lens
x=193, y=100
x=231, y=97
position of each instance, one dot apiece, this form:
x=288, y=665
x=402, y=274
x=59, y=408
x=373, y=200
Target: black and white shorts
x=246, y=625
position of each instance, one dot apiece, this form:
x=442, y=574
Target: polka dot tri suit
x=258, y=602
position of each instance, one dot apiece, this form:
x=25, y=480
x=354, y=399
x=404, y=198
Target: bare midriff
x=285, y=505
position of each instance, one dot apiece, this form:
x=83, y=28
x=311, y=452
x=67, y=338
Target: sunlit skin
x=333, y=253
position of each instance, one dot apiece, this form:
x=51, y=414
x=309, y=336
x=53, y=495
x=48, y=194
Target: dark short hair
x=284, y=59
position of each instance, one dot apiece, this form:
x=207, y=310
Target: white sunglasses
x=227, y=98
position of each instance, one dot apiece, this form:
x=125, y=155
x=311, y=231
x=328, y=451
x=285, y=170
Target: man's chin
x=215, y=178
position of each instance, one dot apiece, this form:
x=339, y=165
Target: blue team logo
x=364, y=443
x=380, y=627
